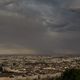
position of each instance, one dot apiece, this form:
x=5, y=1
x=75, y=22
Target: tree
x=70, y=74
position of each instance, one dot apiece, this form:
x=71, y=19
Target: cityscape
x=35, y=67
x=39, y=39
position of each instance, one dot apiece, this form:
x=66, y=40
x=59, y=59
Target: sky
x=40, y=27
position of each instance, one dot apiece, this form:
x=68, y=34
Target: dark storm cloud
x=53, y=13
x=44, y=26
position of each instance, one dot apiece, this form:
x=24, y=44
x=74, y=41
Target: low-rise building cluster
x=36, y=66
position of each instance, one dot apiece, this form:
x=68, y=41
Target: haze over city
x=41, y=27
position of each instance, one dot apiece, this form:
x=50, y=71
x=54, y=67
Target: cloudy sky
x=40, y=27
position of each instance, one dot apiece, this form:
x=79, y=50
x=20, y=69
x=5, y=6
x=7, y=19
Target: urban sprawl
x=35, y=67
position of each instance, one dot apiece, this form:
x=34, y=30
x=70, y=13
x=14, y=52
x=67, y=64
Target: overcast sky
x=40, y=27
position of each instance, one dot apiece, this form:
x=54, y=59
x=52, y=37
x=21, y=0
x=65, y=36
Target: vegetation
x=70, y=74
